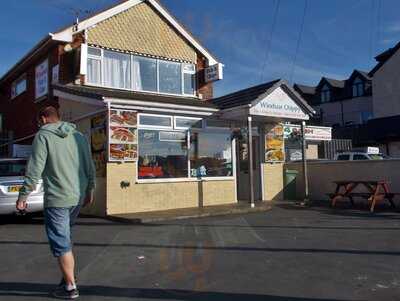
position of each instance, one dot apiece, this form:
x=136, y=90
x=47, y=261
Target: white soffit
x=278, y=104
x=66, y=34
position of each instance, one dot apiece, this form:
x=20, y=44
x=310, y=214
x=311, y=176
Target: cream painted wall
x=323, y=174
x=140, y=197
x=273, y=181
x=386, y=88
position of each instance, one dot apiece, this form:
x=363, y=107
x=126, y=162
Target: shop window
x=18, y=87
x=162, y=154
x=117, y=70
x=155, y=120
x=145, y=74
x=170, y=77
x=187, y=123
x=189, y=79
x=211, y=155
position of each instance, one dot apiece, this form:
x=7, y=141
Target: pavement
x=187, y=213
x=288, y=253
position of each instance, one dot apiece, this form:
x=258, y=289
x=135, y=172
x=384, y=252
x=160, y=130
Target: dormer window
x=358, y=87
x=325, y=94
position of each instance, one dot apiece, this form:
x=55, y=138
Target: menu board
x=122, y=135
x=98, y=138
x=274, y=144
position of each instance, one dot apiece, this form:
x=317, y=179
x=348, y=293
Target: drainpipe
x=305, y=171
x=250, y=154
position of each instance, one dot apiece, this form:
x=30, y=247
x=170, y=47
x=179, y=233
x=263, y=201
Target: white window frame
x=183, y=79
x=97, y=58
x=132, y=88
x=160, y=127
x=14, y=85
x=174, y=128
x=187, y=118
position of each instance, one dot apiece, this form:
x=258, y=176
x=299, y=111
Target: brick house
x=63, y=54
x=139, y=86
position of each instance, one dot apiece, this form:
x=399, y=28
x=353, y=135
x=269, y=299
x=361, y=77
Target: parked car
x=356, y=156
x=12, y=171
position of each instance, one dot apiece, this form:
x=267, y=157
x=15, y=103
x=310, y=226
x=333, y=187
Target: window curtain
x=117, y=70
x=137, y=79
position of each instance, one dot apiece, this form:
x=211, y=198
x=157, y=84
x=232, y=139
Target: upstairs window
x=131, y=72
x=117, y=70
x=189, y=79
x=94, y=66
x=18, y=87
x=325, y=94
x=145, y=74
x=170, y=76
x=358, y=88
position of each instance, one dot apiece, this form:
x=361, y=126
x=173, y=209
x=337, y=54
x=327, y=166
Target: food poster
x=122, y=135
x=274, y=143
x=98, y=138
x=123, y=152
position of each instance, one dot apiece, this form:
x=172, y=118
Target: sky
x=256, y=40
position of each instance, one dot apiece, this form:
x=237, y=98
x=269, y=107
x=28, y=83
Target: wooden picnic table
x=373, y=191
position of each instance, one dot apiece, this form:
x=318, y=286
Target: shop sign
x=172, y=136
x=213, y=73
x=42, y=79
x=313, y=133
x=122, y=135
x=278, y=104
x=274, y=144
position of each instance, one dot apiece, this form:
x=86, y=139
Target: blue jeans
x=58, y=223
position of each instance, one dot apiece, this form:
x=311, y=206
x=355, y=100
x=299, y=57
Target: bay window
x=145, y=74
x=189, y=79
x=178, y=147
x=117, y=70
x=170, y=77
x=94, y=66
x=131, y=72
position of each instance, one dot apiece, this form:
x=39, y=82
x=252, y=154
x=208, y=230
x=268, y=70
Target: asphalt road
x=286, y=254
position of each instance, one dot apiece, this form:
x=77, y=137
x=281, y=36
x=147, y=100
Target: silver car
x=11, y=179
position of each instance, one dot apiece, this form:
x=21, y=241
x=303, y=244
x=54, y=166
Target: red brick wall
x=19, y=113
x=206, y=89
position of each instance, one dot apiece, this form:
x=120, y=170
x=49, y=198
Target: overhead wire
x=371, y=29
x=298, y=41
x=269, y=41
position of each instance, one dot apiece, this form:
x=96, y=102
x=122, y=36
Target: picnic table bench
x=374, y=192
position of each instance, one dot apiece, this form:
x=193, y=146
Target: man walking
x=62, y=159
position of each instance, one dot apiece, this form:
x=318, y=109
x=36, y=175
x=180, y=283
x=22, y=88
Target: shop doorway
x=242, y=170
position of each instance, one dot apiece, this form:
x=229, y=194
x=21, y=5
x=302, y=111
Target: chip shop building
x=140, y=87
